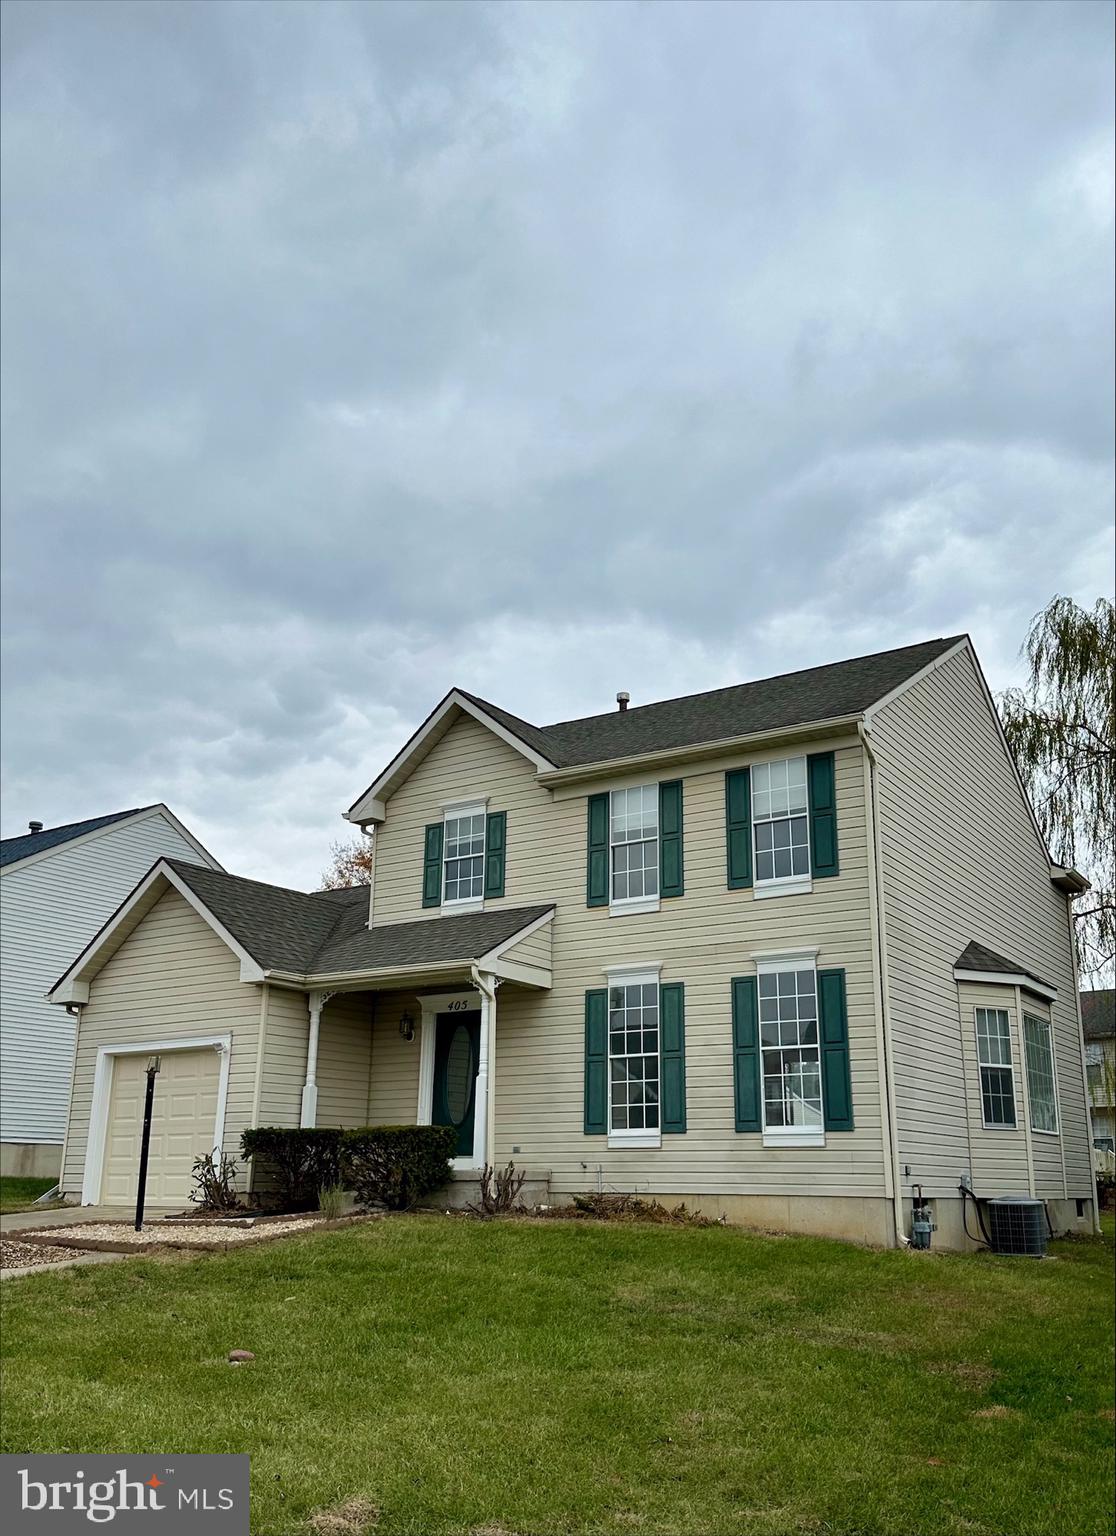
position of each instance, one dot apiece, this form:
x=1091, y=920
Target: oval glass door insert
x=460, y=1072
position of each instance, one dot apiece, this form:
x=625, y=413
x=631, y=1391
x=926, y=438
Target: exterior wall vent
x=1017, y=1224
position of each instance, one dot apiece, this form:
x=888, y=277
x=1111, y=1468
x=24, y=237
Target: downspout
x=876, y=875
x=486, y=986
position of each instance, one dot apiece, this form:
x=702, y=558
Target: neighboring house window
x=634, y=843
x=633, y=1057
x=464, y=856
x=1038, y=1051
x=780, y=823
x=791, y=1058
x=997, y=1091
x=1094, y=1071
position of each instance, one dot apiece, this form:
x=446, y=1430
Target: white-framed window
x=997, y=1087
x=633, y=834
x=1042, y=1091
x=790, y=1051
x=463, y=854
x=1094, y=1071
x=633, y=1058
x=780, y=823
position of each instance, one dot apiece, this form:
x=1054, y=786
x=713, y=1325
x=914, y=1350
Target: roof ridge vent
x=623, y=699
x=34, y=826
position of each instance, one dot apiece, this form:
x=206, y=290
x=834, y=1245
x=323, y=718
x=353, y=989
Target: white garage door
x=182, y=1125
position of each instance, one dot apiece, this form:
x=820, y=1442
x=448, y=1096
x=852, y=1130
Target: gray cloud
x=353, y=350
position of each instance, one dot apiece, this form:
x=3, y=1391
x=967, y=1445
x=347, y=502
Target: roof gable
x=35, y=845
x=977, y=962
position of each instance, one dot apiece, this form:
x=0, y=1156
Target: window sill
x=474, y=904
x=1035, y=1131
x=634, y=1139
x=1010, y=1130
x=794, y=1139
x=801, y=884
x=631, y=908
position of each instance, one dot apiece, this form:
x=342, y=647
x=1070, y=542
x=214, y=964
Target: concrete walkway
x=45, y=1269
x=67, y=1216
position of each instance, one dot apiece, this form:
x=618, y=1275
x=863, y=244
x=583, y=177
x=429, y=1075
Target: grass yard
x=16, y=1194
x=550, y=1377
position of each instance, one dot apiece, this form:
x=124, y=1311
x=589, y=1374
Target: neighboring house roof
x=979, y=959
x=1098, y=1014
x=304, y=935
x=12, y=849
x=794, y=698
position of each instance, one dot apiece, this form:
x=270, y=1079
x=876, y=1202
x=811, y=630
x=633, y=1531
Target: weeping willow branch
x=1062, y=729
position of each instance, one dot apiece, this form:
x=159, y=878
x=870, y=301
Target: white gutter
x=876, y=873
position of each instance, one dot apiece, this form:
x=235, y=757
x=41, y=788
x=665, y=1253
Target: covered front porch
x=421, y=1038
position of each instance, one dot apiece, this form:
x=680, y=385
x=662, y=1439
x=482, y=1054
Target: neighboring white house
x=58, y=886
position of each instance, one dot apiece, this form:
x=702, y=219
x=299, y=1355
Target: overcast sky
x=352, y=351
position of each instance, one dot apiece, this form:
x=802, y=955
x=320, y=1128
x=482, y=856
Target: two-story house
x=783, y=951
x=57, y=886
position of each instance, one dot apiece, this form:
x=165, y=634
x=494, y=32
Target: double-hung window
x=1038, y=1050
x=633, y=1059
x=634, y=845
x=997, y=1088
x=790, y=1052
x=1094, y=1071
x=463, y=855
x=780, y=823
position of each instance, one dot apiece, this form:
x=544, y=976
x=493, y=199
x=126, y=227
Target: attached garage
x=186, y=1118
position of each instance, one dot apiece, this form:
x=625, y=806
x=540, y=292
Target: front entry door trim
x=468, y=1001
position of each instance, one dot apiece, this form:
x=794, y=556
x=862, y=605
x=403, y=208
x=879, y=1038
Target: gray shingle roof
x=326, y=933
x=794, y=698
x=12, y=849
x=1098, y=1014
x=977, y=957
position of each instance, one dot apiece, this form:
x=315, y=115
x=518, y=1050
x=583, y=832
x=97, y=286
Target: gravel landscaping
x=16, y=1255
x=195, y=1232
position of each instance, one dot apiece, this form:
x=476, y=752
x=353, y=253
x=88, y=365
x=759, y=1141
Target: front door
x=456, y=1050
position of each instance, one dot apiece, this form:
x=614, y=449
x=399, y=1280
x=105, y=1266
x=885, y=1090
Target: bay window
x=997, y=1087
x=1038, y=1051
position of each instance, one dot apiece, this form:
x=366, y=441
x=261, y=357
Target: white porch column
x=485, y=1100
x=309, y=1115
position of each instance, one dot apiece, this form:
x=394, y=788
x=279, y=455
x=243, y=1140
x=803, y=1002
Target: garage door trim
x=102, y=1088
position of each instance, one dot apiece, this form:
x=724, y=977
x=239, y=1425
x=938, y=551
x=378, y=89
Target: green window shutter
x=596, y=878
x=432, y=865
x=823, y=815
x=836, y=1081
x=670, y=839
x=596, y=1062
x=672, y=1057
x=738, y=827
x=495, y=846
x=746, y=1074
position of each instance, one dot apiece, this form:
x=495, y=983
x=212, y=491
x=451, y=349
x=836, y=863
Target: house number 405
x=461, y=1006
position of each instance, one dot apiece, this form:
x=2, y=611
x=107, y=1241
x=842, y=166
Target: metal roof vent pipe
x=34, y=826
x=623, y=700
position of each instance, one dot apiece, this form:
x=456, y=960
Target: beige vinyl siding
x=394, y=1084
x=345, y=1060
x=703, y=939
x=961, y=860
x=50, y=908
x=284, y=1064
x=999, y=1154
x=172, y=978
x=536, y=949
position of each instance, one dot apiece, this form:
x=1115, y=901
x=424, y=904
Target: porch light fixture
x=407, y=1025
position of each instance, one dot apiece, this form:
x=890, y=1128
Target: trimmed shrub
x=395, y=1165
x=296, y=1162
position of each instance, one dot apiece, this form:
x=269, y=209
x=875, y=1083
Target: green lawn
x=551, y=1377
x=18, y=1194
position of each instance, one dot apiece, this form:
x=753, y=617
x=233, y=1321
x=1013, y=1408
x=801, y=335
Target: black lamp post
x=153, y=1065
